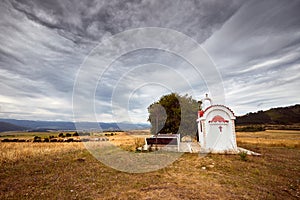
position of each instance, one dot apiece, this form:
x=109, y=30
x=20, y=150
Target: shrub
x=75, y=134
x=61, y=135
x=37, y=139
x=243, y=155
x=68, y=135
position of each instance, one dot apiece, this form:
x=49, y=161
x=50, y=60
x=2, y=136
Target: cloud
x=92, y=19
x=255, y=46
x=257, y=52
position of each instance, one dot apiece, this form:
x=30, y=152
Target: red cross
x=220, y=127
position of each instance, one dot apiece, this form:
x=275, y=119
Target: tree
x=75, y=134
x=37, y=139
x=174, y=114
x=68, y=135
x=157, y=117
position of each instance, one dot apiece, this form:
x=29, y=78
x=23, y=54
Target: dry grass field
x=69, y=171
x=280, y=138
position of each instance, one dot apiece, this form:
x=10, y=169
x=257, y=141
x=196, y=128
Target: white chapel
x=216, y=128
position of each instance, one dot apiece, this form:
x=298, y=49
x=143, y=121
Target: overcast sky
x=255, y=46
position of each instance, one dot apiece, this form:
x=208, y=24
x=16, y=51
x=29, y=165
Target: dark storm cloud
x=255, y=44
x=92, y=19
x=43, y=43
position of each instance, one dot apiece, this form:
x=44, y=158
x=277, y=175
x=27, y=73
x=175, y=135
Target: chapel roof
x=218, y=118
x=218, y=105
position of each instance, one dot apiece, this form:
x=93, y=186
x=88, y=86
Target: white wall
x=214, y=140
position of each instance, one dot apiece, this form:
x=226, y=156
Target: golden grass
x=12, y=152
x=268, y=142
x=278, y=138
x=68, y=171
x=128, y=141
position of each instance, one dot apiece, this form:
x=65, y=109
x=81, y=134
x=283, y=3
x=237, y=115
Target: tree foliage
x=174, y=114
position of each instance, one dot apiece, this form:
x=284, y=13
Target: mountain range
x=280, y=116
x=30, y=125
x=4, y=126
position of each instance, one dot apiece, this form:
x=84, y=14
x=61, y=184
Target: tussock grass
x=129, y=141
x=12, y=152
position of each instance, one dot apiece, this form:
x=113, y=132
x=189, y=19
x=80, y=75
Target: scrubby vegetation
x=75, y=134
x=252, y=128
x=243, y=155
x=56, y=136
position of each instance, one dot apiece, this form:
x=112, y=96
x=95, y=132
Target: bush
x=243, y=155
x=68, y=140
x=75, y=134
x=61, y=135
x=68, y=135
x=37, y=139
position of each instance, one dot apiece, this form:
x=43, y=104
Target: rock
x=187, y=138
x=210, y=166
x=204, y=168
x=145, y=147
x=80, y=159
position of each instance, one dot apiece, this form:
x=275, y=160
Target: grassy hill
x=4, y=126
x=276, y=116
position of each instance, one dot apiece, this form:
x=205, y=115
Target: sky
x=53, y=64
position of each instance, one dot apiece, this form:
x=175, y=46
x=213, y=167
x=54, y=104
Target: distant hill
x=54, y=125
x=278, y=116
x=4, y=126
